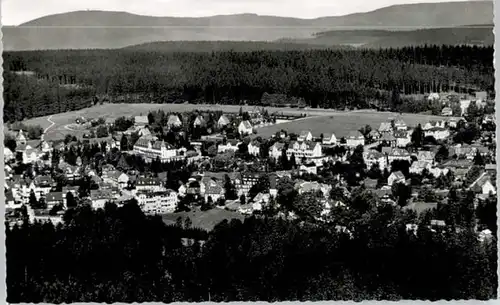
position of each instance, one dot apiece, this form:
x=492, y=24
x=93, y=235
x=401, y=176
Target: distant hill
x=100, y=29
x=474, y=35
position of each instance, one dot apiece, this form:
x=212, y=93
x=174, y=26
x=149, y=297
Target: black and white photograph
x=249, y=151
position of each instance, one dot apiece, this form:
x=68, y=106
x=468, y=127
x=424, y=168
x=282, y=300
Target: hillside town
x=175, y=162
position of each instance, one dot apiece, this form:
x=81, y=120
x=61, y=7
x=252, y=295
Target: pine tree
x=124, y=143
x=230, y=189
x=417, y=137
x=70, y=200
x=33, y=201
x=284, y=159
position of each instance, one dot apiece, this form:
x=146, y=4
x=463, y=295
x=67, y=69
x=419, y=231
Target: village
x=175, y=162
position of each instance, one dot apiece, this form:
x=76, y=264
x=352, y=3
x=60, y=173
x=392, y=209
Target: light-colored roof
x=246, y=124
x=141, y=119
x=398, y=175
x=385, y=126
x=355, y=135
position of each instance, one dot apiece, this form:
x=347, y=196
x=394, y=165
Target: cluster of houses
x=463, y=102
x=154, y=198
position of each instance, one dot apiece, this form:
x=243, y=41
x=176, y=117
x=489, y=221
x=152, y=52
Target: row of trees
x=129, y=257
x=325, y=78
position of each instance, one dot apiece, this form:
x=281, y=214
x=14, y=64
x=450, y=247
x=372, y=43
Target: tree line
x=322, y=78
x=130, y=257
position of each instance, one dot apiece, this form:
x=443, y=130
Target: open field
x=341, y=123
x=205, y=220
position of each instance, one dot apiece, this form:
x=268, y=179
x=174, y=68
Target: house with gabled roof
x=54, y=198
x=231, y=145
x=213, y=190
x=438, y=133
x=100, y=197
x=447, y=111
x=370, y=183
x=275, y=150
x=199, y=121
x=399, y=124
x=174, y=121
x=385, y=127
x=254, y=148
x=20, y=138
x=374, y=135
x=373, y=157
x=307, y=150
x=223, y=121
x=149, y=184
x=417, y=167
x=387, y=138
x=483, y=185
x=354, y=139
x=398, y=154
x=396, y=177
x=329, y=139
x=245, y=128
x=8, y=155
x=305, y=135
x=427, y=156
x=402, y=138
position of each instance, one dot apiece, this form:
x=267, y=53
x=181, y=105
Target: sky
x=15, y=12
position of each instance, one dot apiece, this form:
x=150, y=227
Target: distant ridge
x=102, y=29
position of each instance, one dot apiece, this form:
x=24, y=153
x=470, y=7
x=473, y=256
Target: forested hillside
x=324, y=78
x=463, y=35
x=120, y=255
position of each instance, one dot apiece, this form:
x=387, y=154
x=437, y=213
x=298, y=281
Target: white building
x=354, y=139
x=100, y=197
x=483, y=185
x=329, y=139
x=174, y=121
x=41, y=186
x=245, y=128
x=309, y=150
x=400, y=125
x=148, y=184
x=276, y=150
x=438, y=133
x=447, y=111
x=403, y=138
x=396, y=177
x=433, y=96
x=373, y=157
x=385, y=127
x=223, y=121
x=428, y=156
x=8, y=155
x=30, y=155
x=231, y=145
x=157, y=202
x=417, y=167
x=150, y=150
x=398, y=154
x=305, y=136
x=254, y=148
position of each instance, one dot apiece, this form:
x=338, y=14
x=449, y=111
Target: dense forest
x=73, y=79
x=120, y=255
